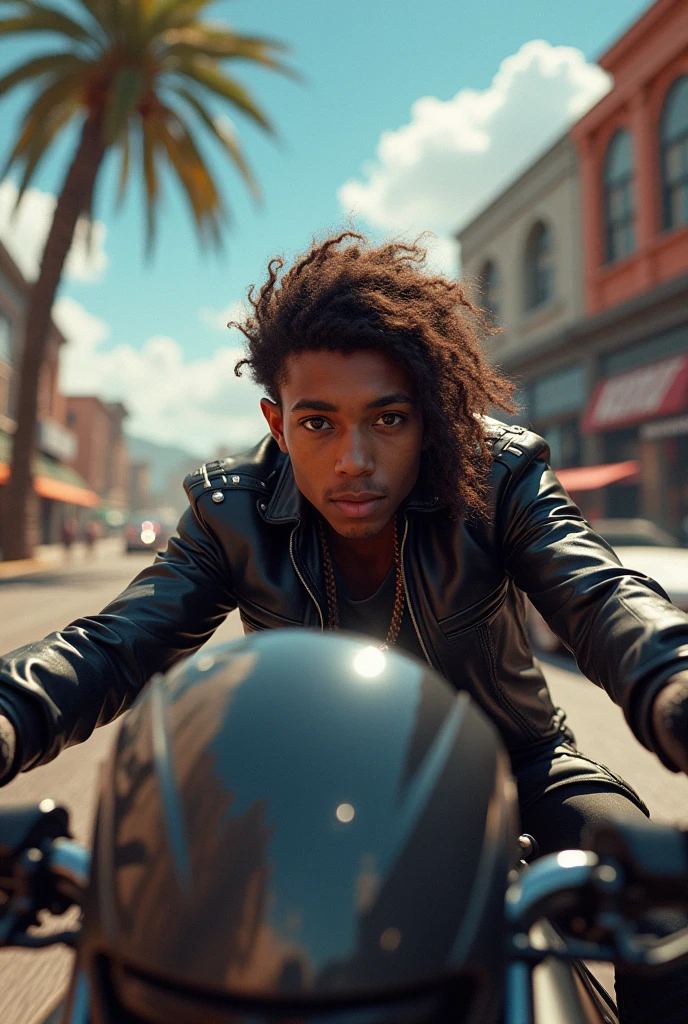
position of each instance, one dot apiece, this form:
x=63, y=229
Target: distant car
x=639, y=544
x=145, y=534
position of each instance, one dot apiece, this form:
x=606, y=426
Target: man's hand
x=8, y=746
x=670, y=720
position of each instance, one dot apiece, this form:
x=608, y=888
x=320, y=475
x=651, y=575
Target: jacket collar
x=287, y=504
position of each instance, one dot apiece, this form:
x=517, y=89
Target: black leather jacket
x=247, y=541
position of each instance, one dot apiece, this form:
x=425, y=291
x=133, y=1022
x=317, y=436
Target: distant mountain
x=164, y=461
x=168, y=465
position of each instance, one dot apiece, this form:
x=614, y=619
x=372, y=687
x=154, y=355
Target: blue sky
x=376, y=129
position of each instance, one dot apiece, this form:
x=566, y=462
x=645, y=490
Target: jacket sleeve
x=619, y=624
x=55, y=692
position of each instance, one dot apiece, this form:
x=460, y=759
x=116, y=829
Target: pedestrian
x=90, y=536
x=387, y=501
x=68, y=535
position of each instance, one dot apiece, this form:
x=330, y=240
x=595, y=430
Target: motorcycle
x=264, y=853
x=562, y=910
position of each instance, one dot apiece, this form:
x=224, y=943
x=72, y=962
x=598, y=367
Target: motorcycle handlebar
x=626, y=871
x=41, y=868
x=596, y=897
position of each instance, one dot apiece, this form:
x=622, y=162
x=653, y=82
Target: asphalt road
x=38, y=603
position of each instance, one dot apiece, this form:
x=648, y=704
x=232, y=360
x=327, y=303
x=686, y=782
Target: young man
x=385, y=500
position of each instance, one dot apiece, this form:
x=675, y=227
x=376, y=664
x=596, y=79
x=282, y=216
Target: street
x=38, y=603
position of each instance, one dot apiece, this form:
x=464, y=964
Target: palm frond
x=171, y=14
x=194, y=176
x=54, y=64
x=39, y=18
x=205, y=72
x=125, y=165
x=225, y=138
x=221, y=44
x=38, y=141
x=123, y=96
x=100, y=12
x=47, y=115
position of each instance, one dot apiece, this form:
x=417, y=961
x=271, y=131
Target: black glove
x=670, y=721
x=8, y=747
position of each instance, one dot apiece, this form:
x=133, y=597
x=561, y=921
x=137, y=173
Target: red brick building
x=101, y=452
x=633, y=152
x=634, y=175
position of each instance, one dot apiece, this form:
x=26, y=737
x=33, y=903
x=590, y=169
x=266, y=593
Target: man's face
x=354, y=435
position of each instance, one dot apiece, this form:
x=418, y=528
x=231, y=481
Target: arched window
x=491, y=289
x=619, y=197
x=539, y=267
x=673, y=135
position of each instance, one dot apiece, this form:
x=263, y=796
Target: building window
x=564, y=442
x=5, y=340
x=619, y=196
x=491, y=289
x=539, y=267
x=555, y=394
x=673, y=135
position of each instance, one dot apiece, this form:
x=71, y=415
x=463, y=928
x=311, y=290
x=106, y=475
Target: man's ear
x=273, y=414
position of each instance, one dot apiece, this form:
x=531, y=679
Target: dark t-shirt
x=372, y=616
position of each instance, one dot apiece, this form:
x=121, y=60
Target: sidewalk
x=53, y=556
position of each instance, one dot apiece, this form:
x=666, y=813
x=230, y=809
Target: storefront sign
x=659, y=389
x=56, y=440
x=661, y=429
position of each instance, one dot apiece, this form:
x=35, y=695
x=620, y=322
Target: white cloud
x=25, y=233
x=198, y=404
x=219, y=318
x=441, y=167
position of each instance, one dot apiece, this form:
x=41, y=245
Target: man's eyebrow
x=395, y=398
x=318, y=405
x=313, y=403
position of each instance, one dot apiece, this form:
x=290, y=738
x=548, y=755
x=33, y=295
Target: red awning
x=70, y=494
x=592, y=478
x=660, y=389
x=58, y=490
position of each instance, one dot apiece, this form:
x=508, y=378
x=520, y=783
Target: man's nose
x=355, y=456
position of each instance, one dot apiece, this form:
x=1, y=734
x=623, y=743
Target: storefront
x=61, y=493
x=641, y=417
x=556, y=402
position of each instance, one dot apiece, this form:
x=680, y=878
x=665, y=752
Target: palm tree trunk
x=75, y=197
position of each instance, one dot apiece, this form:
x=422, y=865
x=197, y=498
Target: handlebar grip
x=654, y=859
x=25, y=826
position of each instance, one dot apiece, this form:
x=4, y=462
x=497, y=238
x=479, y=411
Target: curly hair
x=345, y=295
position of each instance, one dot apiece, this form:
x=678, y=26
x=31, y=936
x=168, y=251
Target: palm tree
x=144, y=77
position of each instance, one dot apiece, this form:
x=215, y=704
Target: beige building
x=523, y=257
x=523, y=254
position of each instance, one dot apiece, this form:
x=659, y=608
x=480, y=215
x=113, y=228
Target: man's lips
x=357, y=506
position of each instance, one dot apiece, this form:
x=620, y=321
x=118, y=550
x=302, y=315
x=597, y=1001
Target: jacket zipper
x=406, y=592
x=299, y=574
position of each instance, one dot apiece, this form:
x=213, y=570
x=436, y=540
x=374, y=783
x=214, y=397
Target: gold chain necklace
x=331, y=588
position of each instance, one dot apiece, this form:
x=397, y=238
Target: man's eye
x=315, y=424
x=390, y=419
